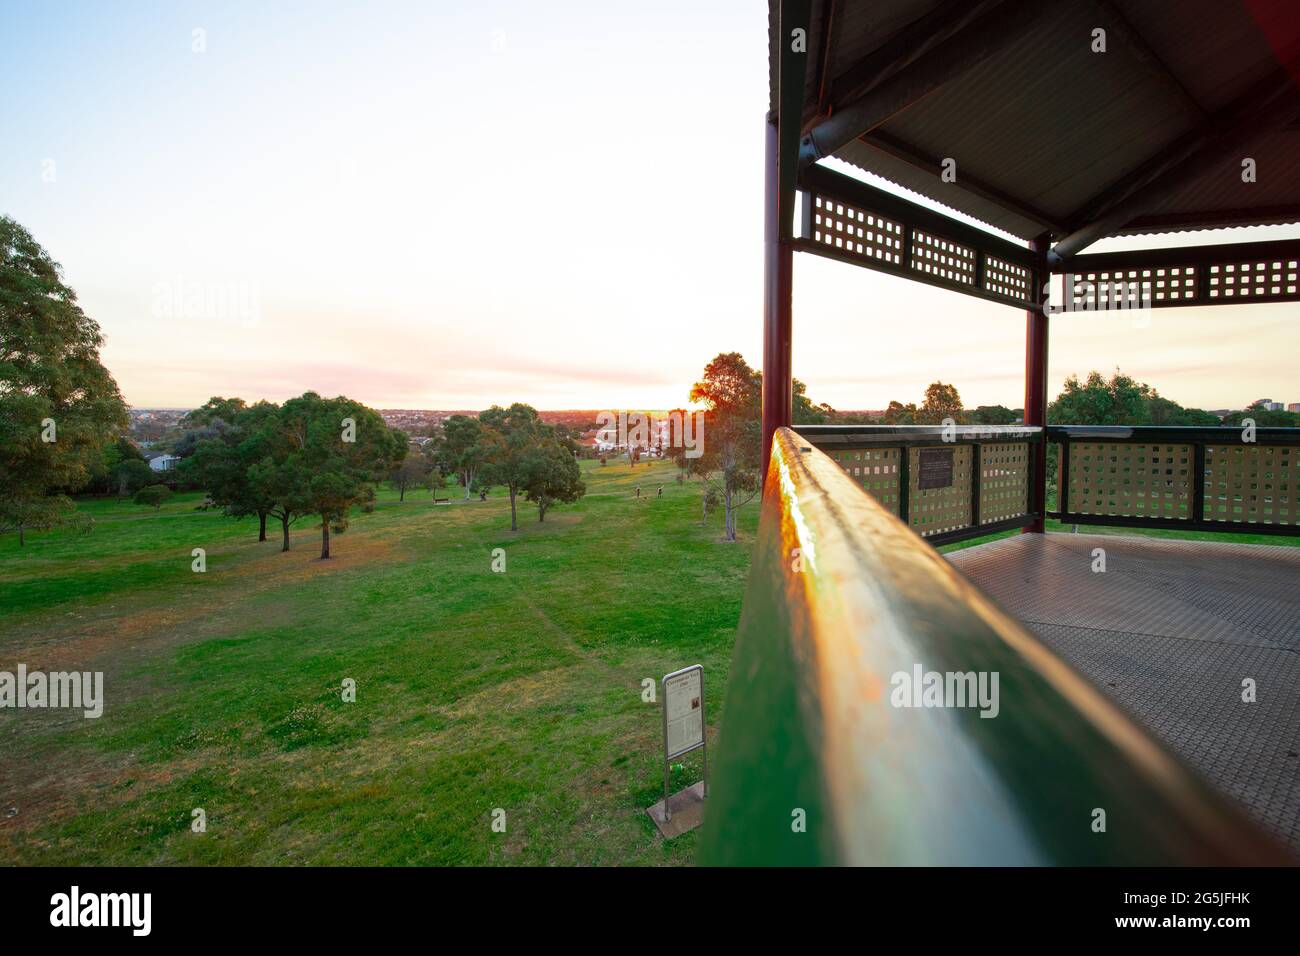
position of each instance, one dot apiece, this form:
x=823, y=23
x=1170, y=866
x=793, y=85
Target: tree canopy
x=58, y=404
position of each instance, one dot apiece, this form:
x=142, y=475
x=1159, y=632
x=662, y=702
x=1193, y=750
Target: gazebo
x=1059, y=124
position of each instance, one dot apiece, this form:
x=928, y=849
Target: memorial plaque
x=684, y=706
x=935, y=468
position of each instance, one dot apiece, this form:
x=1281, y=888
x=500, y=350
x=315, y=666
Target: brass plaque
x=935, y=468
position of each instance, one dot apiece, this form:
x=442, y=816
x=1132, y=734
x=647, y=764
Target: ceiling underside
x=1048, y=135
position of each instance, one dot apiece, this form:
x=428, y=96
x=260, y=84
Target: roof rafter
x=912, y=66
x=1137, y=45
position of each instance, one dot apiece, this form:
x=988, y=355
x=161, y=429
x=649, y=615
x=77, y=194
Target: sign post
x=683, y=715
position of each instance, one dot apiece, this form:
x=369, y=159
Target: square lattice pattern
x=935, y=510
x=1268, y=279
x=1004, y=481
x=1132, y=288
x=942, y=258
x=1131, y=479
x=857, y=232
x=1252, y=484
x=1006, y=279
x=876, y=470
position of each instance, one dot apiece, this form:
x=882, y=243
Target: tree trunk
x=467, y=479
x=541, y=511
x=285, y=522
x=514, y=521
x=22, y=540
x=730, y=515
x=261, y=531
x=324, y=537
x=401, y=493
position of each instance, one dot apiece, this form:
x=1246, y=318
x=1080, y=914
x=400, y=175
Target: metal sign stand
x=678, y=679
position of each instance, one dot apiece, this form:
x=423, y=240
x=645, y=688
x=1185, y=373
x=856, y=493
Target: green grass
x=475, y=690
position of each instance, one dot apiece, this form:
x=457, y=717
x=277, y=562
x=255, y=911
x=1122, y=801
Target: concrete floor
x=1169, y=631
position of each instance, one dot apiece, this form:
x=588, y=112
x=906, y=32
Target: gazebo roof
x=1048, y=135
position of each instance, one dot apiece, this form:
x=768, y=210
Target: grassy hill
x=475, y=690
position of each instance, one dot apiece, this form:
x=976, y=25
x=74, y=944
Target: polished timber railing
x=1206, y=479
x=820, y=762
x=945, y=482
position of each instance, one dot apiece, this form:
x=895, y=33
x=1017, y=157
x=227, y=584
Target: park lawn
x=475, y=690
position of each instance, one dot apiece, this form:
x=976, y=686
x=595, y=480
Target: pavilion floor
x=1170, y=631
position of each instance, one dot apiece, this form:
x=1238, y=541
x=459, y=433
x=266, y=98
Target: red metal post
x=1036, y=381
x=778, y=271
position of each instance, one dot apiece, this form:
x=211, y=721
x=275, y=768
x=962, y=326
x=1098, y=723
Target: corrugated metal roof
x=1042, y=126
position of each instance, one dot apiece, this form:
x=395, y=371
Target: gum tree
x=553, y=477
x=58, y=404
x=461, y=450
x=731, y=393
x=511, y=437
x=331, y=452
x=222, y=464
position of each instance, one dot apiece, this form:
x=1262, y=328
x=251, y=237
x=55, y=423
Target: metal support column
x=778, y=271
x=1036, y=381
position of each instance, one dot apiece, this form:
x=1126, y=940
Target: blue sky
x=452, y=204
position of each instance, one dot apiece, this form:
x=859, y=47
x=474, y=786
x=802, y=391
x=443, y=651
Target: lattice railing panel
x=1133, y=479
x=935, y=510
x=876, y=470
x=943, y=258
x=856, y=232
x=1253, y=281
x=1254, y=484
x=1007, y=279
x=1133, y=288
x=1004, y=481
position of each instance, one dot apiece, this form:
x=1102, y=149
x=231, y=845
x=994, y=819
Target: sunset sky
x=447, y=205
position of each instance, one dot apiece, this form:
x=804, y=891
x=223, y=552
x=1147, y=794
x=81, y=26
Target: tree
x=102, y=471
x=325, y=456
x=461, y=450
x=415, y=471
x=153, y=495
x=899, y=414
x=1263, y=417
x=216, y=407
x=993, y=415
x=731, y=393
x=553, y=477
x=511, y=437
x=130, y=475
x=58, y=404
x=221, y=464
x=1119, y=400
x=941, y=401
x=802, y=409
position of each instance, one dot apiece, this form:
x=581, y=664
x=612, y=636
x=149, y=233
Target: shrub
x=153, y=495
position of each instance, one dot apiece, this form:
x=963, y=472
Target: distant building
x=163, y=462
x=1293, y=407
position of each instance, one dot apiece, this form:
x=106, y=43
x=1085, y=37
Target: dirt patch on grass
x=137, y=624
